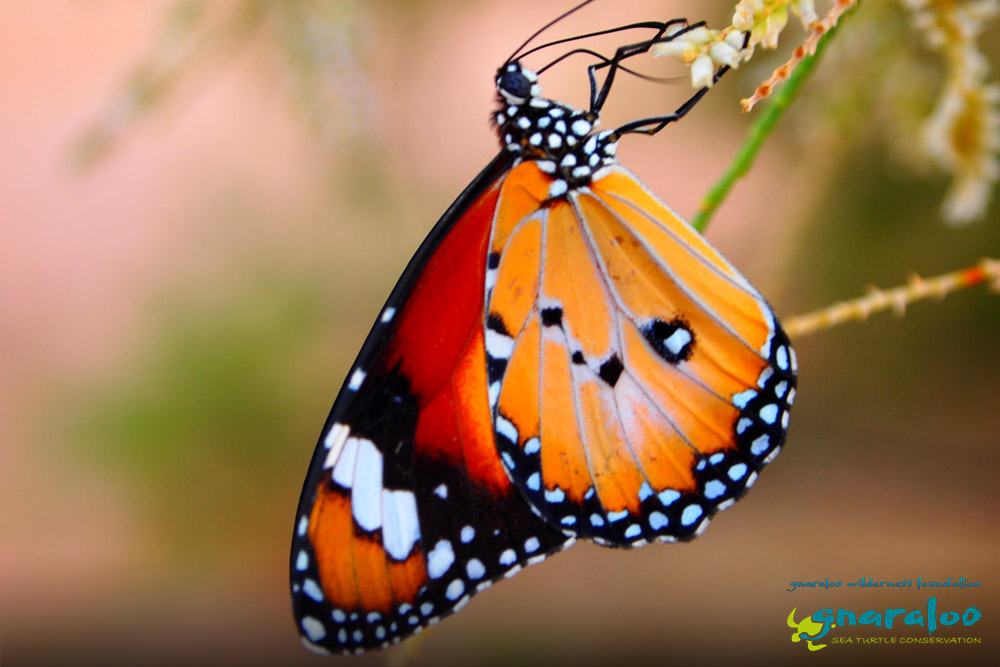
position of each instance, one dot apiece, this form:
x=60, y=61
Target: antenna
x=546, y=27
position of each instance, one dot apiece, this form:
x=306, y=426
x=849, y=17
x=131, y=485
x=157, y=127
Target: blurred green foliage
x=202, y=425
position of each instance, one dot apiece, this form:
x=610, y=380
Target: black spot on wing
x=552, y=317
x=674, y=341
x=495, y=322
x=611, y=370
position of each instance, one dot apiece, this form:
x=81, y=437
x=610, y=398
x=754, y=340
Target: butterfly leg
x=598, y=98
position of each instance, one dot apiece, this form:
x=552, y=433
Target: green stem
x=760, y=131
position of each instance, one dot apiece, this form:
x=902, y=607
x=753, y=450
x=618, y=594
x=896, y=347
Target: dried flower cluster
x=705, y=49
x=963, y=133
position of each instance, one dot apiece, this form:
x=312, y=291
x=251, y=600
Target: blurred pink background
x=178, y=315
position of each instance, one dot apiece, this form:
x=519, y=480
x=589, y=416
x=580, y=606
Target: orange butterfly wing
x=638, y=381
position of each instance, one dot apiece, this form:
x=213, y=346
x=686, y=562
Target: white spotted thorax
x=560, y=139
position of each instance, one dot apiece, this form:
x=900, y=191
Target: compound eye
x=515, y=84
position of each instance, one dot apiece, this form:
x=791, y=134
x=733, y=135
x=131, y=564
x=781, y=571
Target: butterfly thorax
x=557, y=137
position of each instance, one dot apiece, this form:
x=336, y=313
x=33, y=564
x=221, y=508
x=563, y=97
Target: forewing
x=406, y=511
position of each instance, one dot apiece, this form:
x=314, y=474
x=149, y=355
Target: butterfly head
x=517, y=84
x=558, y=138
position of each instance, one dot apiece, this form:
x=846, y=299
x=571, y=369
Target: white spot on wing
x=455, y=589
x=558, y=188
x=668, y=497
x=314, y=629
x=769, y=413
x=468, y=532
x=475, y=569
x=508, y=461
x=441, y=491
x=677, y=340
x=534, y=481
x=714, y=488
x=312, y=589
x=691, y=514
x=741, y=399
x=302, y=561
x=494, y=393
x=556, y=495
x=343, y=471
x=508, y=557
x=548, y=166
x=334, y=440
x=505, y=428
x=440, y=559
x=366, y=494
x=498, y=346
x=356, y=379
x=400, y=523
x=781, y=357
x=388, y=314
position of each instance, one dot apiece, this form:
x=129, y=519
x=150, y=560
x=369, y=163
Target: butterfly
x=562, y=358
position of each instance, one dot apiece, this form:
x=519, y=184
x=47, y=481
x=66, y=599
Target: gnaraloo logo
x=817, y=626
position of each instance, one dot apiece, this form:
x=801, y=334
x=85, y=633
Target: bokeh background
x=202, y=208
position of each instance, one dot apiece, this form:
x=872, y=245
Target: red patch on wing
x=443, y=319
